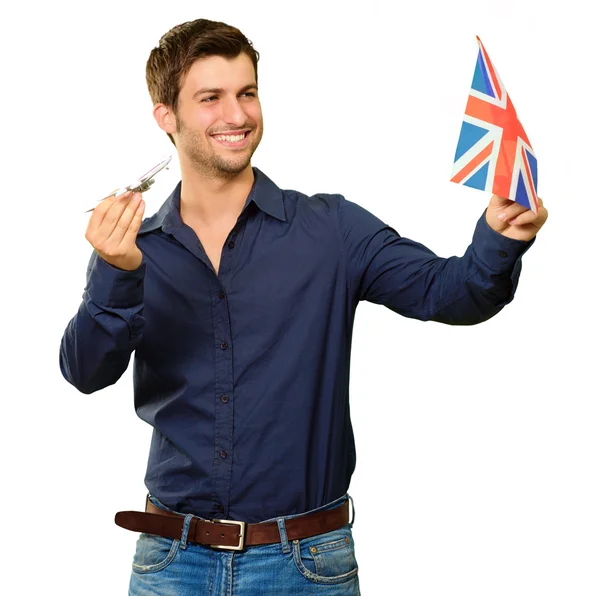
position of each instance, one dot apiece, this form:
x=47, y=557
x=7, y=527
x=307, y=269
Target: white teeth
x=230, y=138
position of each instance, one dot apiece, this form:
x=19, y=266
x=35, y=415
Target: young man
x=238, y=299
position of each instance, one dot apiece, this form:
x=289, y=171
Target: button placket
x=223, y=437
x=223, y=446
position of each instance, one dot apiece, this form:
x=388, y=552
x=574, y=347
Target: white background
x=478, y=445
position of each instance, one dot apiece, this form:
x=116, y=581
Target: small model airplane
x=141, y=185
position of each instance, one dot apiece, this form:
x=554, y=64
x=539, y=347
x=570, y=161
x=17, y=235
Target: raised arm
x=407, y=277
x=97, y=344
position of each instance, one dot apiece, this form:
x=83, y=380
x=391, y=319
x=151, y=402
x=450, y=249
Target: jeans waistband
x=332, y=504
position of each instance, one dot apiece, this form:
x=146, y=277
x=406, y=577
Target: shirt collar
x=264, y=192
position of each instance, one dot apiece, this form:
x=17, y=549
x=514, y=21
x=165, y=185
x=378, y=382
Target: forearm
x=413, y=281
x=98, y=342
x=465, y=293
x=475, y=287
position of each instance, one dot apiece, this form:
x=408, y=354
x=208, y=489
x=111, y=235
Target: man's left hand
x=513, y=220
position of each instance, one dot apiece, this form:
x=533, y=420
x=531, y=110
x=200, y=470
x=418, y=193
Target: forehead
x=217, y=71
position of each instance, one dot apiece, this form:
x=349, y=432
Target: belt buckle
x=242, y=542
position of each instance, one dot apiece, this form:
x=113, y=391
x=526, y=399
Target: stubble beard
x=206, y=161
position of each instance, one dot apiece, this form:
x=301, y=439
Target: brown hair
x=180, y=47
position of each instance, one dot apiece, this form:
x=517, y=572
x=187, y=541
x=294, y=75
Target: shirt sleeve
x=410, y=279
x=98, y=342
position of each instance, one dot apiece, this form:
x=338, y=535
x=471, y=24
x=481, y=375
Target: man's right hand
x=113, y=227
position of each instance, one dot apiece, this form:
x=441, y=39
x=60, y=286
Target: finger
x=529, y=217
x=512, y=211
x=101, y=210
x=117, y=207
x=136, y=222
x=498, y=202
x=524, y=218
x=98, y=216
x=122, y=225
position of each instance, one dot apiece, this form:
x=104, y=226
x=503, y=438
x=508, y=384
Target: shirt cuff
x=499, y=253
x=115, y=288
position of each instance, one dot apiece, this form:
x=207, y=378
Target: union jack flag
x=493, y=152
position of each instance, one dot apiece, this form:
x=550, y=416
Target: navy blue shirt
x=245, y=375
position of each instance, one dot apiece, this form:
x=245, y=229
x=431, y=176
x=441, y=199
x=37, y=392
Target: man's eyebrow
x=219, y=90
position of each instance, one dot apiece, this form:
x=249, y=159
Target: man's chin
x=217, y=165
x=233, y=166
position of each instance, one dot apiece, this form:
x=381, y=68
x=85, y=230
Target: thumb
x=498, y=203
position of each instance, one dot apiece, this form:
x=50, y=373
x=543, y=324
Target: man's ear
x=165, y=118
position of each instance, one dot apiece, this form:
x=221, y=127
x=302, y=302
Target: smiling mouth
x=228, y=140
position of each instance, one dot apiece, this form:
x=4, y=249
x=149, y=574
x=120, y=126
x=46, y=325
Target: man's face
x=219, y=96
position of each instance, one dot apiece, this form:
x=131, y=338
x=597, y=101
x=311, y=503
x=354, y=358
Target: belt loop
x=353, y=513
x=186, y=528
x=285, y=545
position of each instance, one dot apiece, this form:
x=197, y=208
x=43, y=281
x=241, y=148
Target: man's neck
x=214, y=202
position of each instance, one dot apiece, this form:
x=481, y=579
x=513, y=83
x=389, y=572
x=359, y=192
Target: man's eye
x=208, y=99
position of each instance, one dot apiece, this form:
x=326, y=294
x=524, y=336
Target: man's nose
x=233, y=111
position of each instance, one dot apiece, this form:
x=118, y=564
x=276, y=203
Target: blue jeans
x=323, y=564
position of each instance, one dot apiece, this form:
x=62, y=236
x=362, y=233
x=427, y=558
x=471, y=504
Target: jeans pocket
x=153, y=553
x=327, y=558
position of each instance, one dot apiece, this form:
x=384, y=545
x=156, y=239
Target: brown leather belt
x=229, y=534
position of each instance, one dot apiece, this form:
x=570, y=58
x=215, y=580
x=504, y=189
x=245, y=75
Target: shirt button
x=224, y=398
x=223, y=454
x=231, y=244
x=221, y=294
x=502, y=254
x=224, y=345
x=220, y=508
